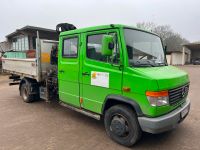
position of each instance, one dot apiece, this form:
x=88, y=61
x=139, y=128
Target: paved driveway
x=41, y=125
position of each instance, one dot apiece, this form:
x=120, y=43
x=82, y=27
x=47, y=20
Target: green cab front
x=159, y=89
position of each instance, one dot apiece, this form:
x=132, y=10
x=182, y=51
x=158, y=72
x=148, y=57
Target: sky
x=182, y=15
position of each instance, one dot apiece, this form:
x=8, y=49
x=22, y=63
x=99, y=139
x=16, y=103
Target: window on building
x=20, y=43
x=26, y=44
x=14, y=44
x=34, y=42
x=70, y=47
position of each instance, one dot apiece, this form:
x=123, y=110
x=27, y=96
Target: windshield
x=144, y=49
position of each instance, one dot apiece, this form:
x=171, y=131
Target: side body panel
x=94, y=95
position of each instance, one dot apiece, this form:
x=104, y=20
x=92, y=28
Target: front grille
x=178, y=94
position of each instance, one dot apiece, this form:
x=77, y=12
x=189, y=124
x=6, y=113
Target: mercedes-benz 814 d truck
x=115, y=73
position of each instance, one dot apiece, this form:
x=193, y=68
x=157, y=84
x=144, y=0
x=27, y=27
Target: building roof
x=193, y=43
x=172, y=50
x=31, y=28
x=193, y=46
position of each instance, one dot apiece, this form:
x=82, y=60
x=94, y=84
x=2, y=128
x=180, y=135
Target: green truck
x=115, y=73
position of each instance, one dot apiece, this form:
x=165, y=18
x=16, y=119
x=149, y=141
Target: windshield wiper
x=142, y=65
x=161, y=64
x=145, y=63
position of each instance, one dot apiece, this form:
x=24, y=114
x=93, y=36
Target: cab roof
x=102, y=27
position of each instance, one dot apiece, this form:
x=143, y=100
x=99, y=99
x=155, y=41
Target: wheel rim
x=119, y=125
x=24, y=94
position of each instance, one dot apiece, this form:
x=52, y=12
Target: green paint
x=74, y=75
x=18, y=55
x=106, y=50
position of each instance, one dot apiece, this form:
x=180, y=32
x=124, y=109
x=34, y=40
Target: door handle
x=61, y=71
x=85, y=74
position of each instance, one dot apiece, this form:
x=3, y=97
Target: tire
x=121, y=125
x=24, y=92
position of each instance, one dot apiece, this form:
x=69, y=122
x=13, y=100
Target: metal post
x=38, y=59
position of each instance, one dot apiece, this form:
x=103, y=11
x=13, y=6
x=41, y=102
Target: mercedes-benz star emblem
x=184, y=91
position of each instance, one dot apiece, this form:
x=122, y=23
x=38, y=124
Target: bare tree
x=170, y=38
x=146, y=25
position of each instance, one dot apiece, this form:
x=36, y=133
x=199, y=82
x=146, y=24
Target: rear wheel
x=26, y=94
x=122, y=125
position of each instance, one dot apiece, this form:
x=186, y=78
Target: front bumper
x=165, y=122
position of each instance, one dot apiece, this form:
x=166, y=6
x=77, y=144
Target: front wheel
x=121, y=125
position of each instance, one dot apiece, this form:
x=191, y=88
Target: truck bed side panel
x=24, y=67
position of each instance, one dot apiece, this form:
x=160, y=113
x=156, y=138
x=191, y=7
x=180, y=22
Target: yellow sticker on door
x=100, y=79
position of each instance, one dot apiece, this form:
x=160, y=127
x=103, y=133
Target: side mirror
x=107, y=45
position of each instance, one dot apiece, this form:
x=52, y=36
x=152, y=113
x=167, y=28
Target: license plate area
x=184, y=112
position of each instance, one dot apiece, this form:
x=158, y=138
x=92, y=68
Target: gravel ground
x=40, y=125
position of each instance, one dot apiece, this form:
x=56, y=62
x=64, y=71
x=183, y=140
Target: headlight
x=158, y=98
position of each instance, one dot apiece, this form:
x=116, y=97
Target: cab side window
x=70, y=47
x=94, y=45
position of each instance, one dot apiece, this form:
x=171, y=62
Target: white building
x=184, y=56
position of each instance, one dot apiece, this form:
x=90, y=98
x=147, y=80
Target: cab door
x=100, y=75
x=68, y=69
